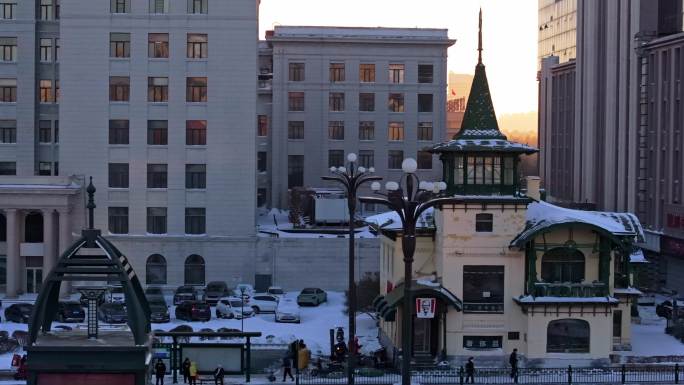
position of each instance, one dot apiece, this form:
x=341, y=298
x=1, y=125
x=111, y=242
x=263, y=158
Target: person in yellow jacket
x=303, y=356
x=193, y=373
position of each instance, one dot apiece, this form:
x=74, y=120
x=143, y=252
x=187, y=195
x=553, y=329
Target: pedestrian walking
x=303, y=356
x=470, y=371
x=513, y=361
x=218, y=375
x=160, y=371
x=287, y=367
x=185, y=368
x=193, y=373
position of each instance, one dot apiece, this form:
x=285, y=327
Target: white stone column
x=49, y=242
x=65, y=241
x=13, y=278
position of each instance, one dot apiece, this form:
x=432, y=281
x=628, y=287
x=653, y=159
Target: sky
x=509, y=34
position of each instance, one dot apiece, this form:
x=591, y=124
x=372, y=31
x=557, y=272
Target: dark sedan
x=70, y=312
x=159, y=311
x=19, y=312
x=112, y=313
x=184, y=293
x=193, y=311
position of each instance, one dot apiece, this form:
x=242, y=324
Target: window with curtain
x=563, y=264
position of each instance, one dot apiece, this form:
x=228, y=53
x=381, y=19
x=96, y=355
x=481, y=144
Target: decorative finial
x=91, y=203
x=479, y=40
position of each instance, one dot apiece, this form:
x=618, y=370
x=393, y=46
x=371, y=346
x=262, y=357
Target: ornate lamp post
x=409, y=199
x=351, y=178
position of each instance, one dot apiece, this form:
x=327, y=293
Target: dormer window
x=475, y=173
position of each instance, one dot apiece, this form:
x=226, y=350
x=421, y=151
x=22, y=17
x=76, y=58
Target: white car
x=264, y=303
x=275, y=290
x=232, y=307
x=287, y=311
x=248, y=289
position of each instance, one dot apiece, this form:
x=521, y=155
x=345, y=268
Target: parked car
x=233, y=307
x=275, y=290
x=665, y=308
x=287, y=311
x=263, y=303
x=19, y=312
x=248, y=290
x=193, y=311
x=159, y=310
x=154, y=291
x=70, y=312
x=214, y=291
x=311, y=296
x=184, y=293
x=112, y=313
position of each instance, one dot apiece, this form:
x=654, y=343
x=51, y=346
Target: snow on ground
x=313, y=329
x=649, y=338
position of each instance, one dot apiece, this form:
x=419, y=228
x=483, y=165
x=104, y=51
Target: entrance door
x=617, y=326
x=34, y=279
x=421, y=335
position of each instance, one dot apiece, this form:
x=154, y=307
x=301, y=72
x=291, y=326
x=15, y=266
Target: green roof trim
x=479, y=119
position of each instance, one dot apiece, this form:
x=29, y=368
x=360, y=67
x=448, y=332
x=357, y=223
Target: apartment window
x=195, y=220
x=335, y=158
x=196, y=90
x=295, y=130
x=45, y=50
x=295, y=101
x=367, y=73
x=57, y=50
x=8, y=131
x=159, y=6
x=44, y=168
x=119, y=88
x=262, y=161
x=197, y=7
x=425, y=73
x=198, y=44
x=157, y=175
x=484, y=223
x=158, y=45
x=366, y=101
x=195, y=176
x=8, y=48
x=7, y=10
x=295, y=171
x=120, y=6
x=8, y=168
x=424, y=160
x=394, y=159
x=336, y=101
x=336, y=130
x=57, y=91
x=45, y=9
x=118, y=220
x=396, y=73
x=366, y=158
x=424, y=102
x=196, y=132
x=336, y=72
x=120, y=45
x=157, y=132
x=56, y=132
x=483, y=289
x=8, y=90
x=396, y=103
x=44, y=131
x=395, y=131
x=56, y=168
x=262, y=125
x=425, y=131
x=118, y=175
x=367, y=130
x=156, y=220
x=46, y=95
x=296, y=72
x=157, y=90
x=118, y=131
x=261, y=197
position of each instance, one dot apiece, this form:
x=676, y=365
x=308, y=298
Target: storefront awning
x=386, y=305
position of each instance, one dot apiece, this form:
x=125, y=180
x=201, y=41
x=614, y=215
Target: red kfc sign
x=425, y=307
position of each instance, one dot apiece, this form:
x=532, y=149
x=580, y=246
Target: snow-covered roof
x=627, y=291
x=543, y=215
x=483, y=145
x=390, y=220
x=637, y=256
x=530, y=300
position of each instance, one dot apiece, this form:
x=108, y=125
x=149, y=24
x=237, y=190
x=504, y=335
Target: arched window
x=156, y=270
x=562, y=264
x=568, y=336
x=33, y=228
x=194, y=270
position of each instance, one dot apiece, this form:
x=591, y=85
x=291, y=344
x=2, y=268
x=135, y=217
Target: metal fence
x=626, y=374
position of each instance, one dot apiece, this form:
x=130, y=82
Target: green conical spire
x=479, y=119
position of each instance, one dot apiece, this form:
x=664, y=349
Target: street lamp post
x=351, y=178
x=242, y=308
x=409, y=204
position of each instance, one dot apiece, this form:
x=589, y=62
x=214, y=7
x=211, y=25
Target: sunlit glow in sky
x=509, y=34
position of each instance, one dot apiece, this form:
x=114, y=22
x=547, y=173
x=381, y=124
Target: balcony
x=265, y=84
x=567, y=289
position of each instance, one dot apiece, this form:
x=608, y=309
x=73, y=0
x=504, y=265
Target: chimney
x=533, y=183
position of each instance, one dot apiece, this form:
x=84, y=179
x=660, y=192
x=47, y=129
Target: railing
x=582, y=290
x=611, y=375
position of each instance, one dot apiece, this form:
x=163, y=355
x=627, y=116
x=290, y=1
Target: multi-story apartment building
x=557, y=30
x=378, y=92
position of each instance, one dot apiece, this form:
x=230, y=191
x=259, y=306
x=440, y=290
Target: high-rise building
x=458, y=89
x=557, y=30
